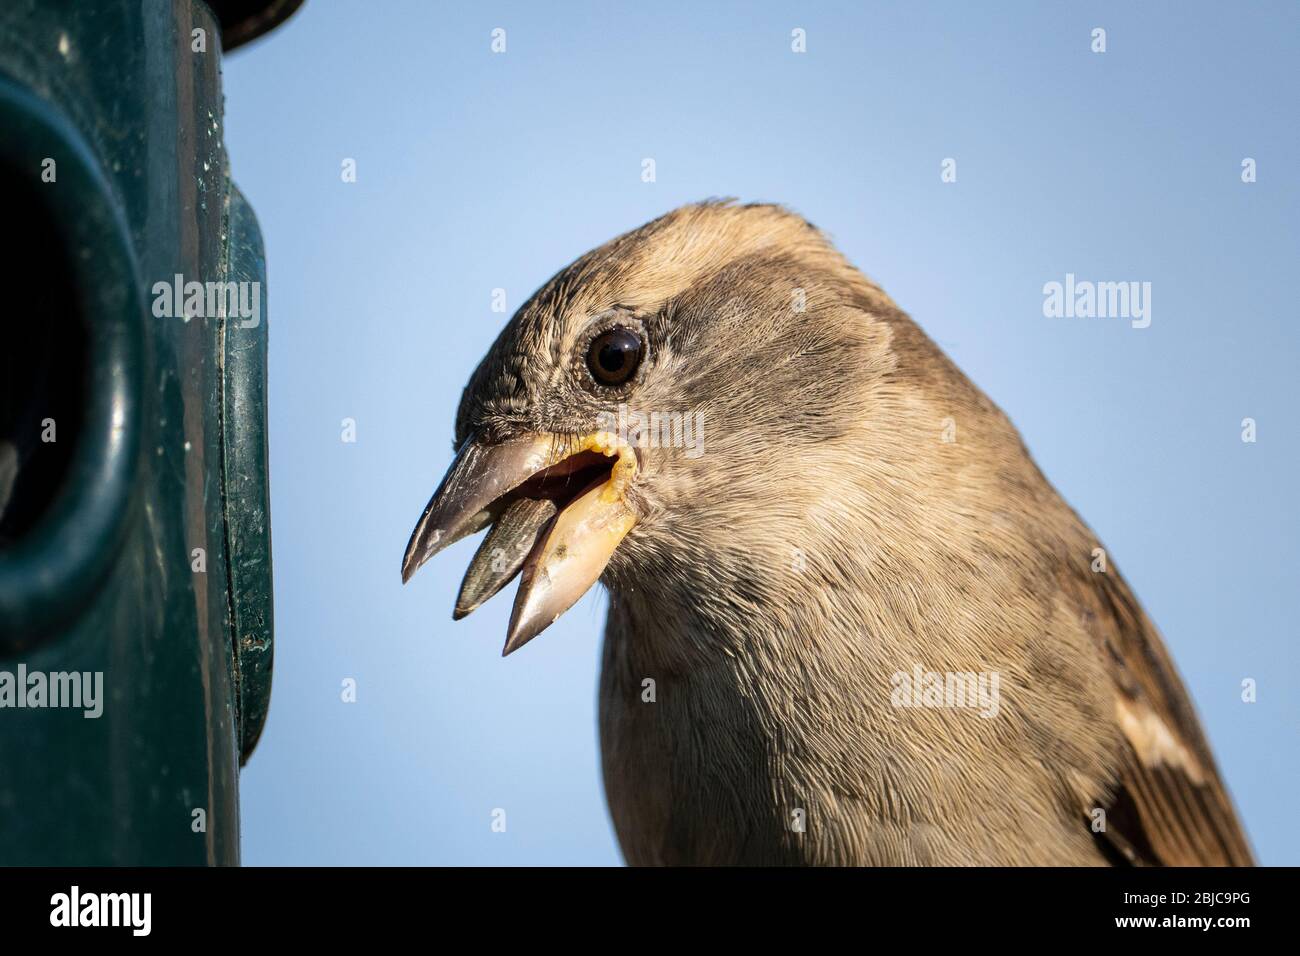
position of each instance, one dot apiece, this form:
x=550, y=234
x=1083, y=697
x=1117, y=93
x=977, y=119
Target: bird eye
x=614, y=355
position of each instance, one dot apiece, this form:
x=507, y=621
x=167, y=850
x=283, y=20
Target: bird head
x=675, y=403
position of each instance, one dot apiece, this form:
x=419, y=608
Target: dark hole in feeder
x=43, y=360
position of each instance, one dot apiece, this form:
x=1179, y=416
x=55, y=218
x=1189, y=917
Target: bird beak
x=559, y=509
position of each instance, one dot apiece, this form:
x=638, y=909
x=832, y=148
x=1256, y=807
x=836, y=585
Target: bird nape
x=850, y=621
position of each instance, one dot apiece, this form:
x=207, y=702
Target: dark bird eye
x=614, y=355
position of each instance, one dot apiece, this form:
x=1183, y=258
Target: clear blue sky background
x=477, y=171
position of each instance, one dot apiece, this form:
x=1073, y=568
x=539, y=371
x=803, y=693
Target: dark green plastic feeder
x=134, y=510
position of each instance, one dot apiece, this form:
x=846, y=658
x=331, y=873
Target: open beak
x=558, y=509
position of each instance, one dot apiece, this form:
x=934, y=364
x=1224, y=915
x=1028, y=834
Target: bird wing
x=1168, y=806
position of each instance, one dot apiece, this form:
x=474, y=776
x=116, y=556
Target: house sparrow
x=789, y=604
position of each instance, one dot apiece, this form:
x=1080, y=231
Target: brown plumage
x=859, y=510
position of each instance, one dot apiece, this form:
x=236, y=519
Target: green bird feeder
x=135, y=537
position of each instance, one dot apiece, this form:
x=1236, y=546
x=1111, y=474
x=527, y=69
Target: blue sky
x=478, y=171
